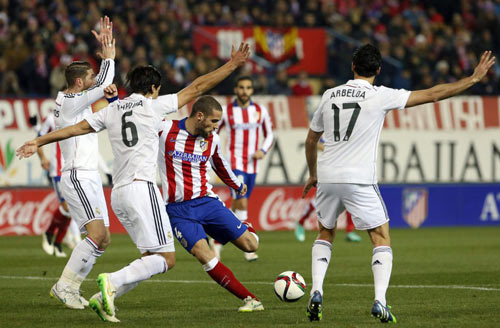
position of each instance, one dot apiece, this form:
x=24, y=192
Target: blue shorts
x=194, y=219
x=246, y=178
x=56, y=184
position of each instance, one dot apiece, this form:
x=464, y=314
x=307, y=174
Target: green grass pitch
x=442, y=277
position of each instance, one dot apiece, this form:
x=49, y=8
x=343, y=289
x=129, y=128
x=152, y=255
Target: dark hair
x=367, y=60
x=205, y=105
x=243, y=78
x=75, y=70
x=141, y=78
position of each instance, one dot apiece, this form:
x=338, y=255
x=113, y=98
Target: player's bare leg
x=321, y=255
x=381, y=267
x=81, y=261
x=239, y=207
x=113, y=285
x=225, y=277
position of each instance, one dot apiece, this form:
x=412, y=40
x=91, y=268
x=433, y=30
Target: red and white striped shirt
x=185, y=161
x=243, y=130
x=56, y=161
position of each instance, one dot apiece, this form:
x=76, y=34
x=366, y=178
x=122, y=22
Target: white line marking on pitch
x=270, y=283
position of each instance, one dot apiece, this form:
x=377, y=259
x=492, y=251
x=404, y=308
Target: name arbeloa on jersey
x=348, y=93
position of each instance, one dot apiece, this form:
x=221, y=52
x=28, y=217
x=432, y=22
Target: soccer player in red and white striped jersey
x=188, y=149
x=244, y=121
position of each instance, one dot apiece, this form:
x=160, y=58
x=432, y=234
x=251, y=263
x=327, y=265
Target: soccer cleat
x=300, y=233
x=354, y=237
x=95, y=304
x=108, y=292
x=69, y=297
x=46, y=245
x=251, y=305
x=58, y=252
x=250, y=257
x=383, y=312
x=315, y=307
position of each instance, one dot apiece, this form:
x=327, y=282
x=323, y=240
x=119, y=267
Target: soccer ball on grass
x=289, y=286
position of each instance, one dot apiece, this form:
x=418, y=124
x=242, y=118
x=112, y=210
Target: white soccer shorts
x=139, y=207
x=364, y=202
x=83, y=192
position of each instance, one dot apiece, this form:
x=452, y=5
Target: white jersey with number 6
x=133, y=125
x=351, y=117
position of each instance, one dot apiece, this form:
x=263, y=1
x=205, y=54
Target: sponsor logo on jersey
x=415, y=206
x=187, y=157
x=246, y=126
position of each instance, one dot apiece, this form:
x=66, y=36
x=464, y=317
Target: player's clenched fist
x=111, y=91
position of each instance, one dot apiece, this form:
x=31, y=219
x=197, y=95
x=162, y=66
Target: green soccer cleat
x=95, y=304
x=354, y=237
x=300, y=232
x=108, y=292
x=251, y=305
x=383, y=313
x=315, y=307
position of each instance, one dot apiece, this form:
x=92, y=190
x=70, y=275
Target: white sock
x=73, y=227
x=210, y=264
x=125, y=289
x=80, y=263
x=321, y=254
x=381, y=267
x=139, y=270
x=242, y=215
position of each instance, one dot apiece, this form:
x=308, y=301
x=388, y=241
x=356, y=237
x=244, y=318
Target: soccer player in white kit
x=80, y=181
x=133, y=125
x=351, y=116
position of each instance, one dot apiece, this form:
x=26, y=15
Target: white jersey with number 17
x=351, y=117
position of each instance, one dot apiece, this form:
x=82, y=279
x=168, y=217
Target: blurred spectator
x=280, y=84
x=441, y=37
x=302, y=87
x=57, y=77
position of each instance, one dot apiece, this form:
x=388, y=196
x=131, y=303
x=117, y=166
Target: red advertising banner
x=28, y=211
x=296, y=48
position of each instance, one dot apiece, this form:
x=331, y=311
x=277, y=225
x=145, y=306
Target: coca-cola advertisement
x=29, y=211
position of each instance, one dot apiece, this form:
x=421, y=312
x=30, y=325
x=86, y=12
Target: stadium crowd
x=423, y=42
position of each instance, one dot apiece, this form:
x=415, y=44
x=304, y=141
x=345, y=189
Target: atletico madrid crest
x=415, y=206
x=203, y=144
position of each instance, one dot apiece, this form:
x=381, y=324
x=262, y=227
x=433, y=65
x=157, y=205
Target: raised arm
x=443, y=91
x=206, y=82
x=31, y=147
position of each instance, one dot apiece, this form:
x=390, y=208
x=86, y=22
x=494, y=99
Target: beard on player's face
x=203, y=129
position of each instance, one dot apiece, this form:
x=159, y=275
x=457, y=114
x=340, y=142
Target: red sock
x=62, y=229
x=54, y=224
x=350, y=225
x=224, y=277
x=306, y=214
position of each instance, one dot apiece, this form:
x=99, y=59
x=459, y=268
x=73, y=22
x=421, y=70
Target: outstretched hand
x=108, y=47
x=240, y=57
x=26, y=150
x=311, y=182
x=105, y=28
x=483, y=67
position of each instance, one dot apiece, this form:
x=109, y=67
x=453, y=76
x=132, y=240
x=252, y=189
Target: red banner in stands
x=270, y=46
x=29, y=211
